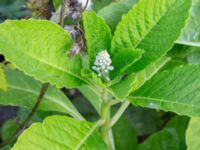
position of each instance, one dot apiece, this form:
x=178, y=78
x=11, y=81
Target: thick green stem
x=106, y=126
x=105, y=116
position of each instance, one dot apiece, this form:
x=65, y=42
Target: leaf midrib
x=85, y=138
x=153, y=26
x=53, y=66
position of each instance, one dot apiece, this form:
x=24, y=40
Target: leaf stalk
x=119, y=113
x=105, y=116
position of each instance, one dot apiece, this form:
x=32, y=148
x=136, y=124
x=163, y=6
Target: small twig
x=86, y=5
x=28, y=119
x=63, y=13
x=40, y=97
x=119, y=113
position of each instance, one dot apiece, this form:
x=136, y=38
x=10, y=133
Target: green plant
x=130, y=60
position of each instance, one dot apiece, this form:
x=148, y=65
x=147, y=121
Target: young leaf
x=191, y=32
x=97, y=33
x=39, y=47
x=23, y=91
x=152, y=25
x=174, y=90
x=3, y=84
x=124, y=59
x=122, y=88
x=134, y=81
x=164, y=140
x=60, y=132
x=113, y=12
x=192, y=134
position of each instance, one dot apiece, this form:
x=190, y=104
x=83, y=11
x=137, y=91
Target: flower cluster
x=102, y=64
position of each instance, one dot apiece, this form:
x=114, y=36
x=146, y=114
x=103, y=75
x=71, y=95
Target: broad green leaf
x=151, y=25
x=143, y=76
x=97, y=33
x=23, y=91
x=163, y=140
x=57, y=3
x=98, y=4
x=113, y=12
x=122, y=88
x=39, y=47
x=174, y=90
x=92, y=95
x=134, y=81
x=180, y=124
x=192, y=134
x=60, y=133
x=124, y=135
x=123, y=60
x=3, y=83
x=191, y=33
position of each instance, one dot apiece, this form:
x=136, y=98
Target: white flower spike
x=102, y=65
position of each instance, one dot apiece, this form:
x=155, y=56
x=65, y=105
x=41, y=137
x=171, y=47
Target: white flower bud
x=107, y=79
x=106, y=71
x=110, y=68
x=99, y=74
x=102, y=65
